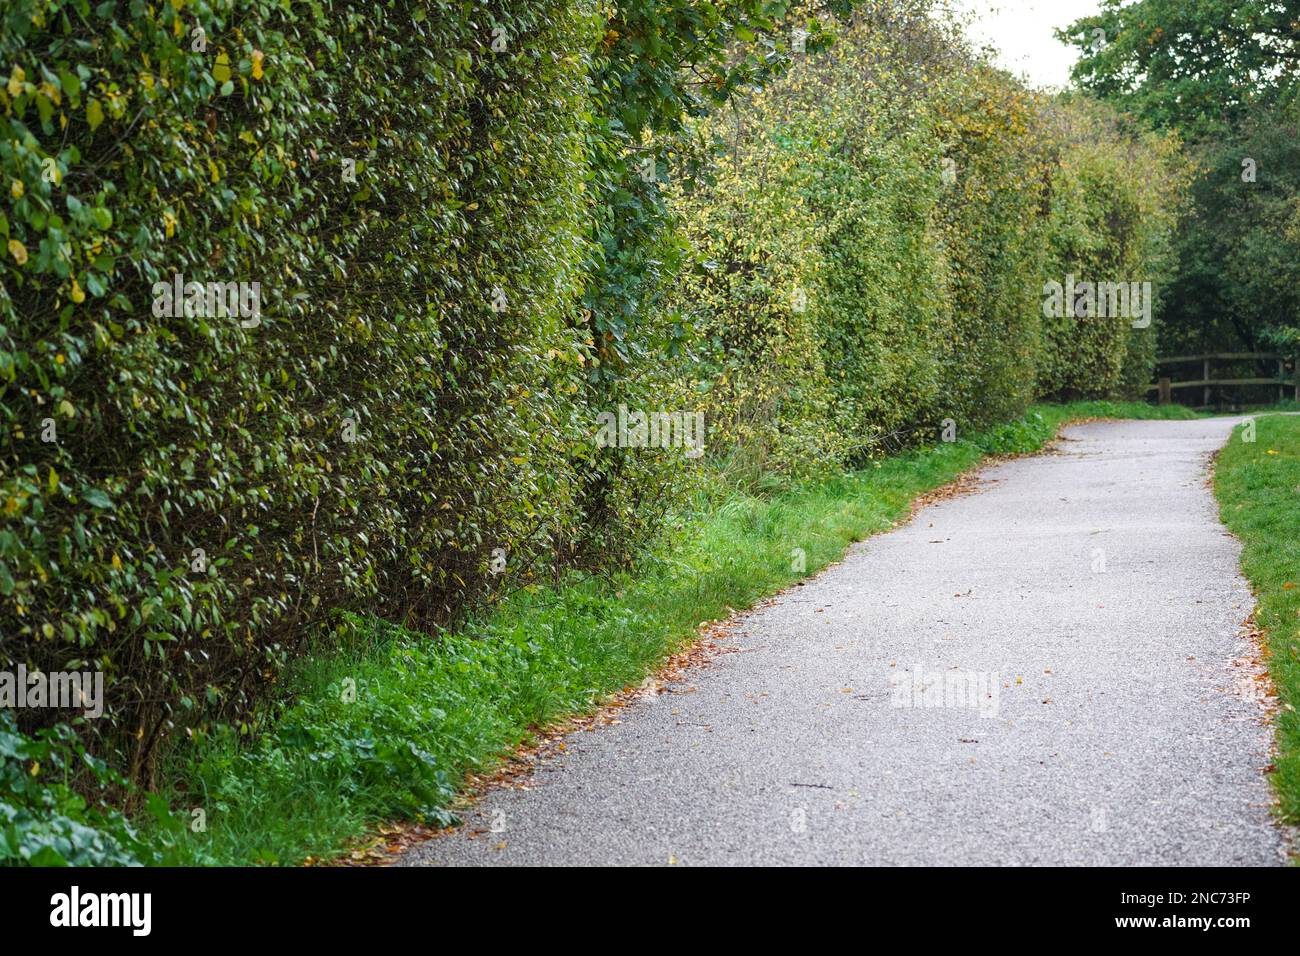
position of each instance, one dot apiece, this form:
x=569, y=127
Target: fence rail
x=1164, y=387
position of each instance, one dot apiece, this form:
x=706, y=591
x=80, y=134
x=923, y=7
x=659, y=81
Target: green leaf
x=96, y=498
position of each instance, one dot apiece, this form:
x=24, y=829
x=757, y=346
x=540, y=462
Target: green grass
x=1258, y=487
x=428, y=711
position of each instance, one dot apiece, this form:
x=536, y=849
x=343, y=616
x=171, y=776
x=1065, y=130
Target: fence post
x=1206, y=378
x=1166, y=392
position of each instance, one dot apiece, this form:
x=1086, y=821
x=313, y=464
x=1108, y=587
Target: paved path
x=1084, y=716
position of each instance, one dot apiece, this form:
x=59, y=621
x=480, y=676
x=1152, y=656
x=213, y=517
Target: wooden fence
x=1210, y=386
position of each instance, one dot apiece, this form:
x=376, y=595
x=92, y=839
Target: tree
x=1199, y=65
x=1224, y=74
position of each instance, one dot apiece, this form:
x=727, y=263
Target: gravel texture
x=1083, y=608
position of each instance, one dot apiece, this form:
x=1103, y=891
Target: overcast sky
x=1021, y=31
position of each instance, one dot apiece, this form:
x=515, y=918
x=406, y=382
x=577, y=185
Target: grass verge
x=1258, y=487
x=387, y=727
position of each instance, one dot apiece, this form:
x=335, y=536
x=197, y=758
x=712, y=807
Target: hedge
x=920, y=201
x=211, y=486
x=1113, y=209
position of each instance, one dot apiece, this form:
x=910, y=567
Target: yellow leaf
x=257, y=64
x=18, y=251
x=221, y=70
x=94, y=113
x=16, y=189
x=78, y=295
x=16, y=79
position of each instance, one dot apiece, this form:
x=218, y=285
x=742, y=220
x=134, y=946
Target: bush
x=993, y=231
x=184, y=496
x=754, y=296
x=1115, y=195
x=44, y=818
x=660, y=65
x=921, y=200
x=897, y=205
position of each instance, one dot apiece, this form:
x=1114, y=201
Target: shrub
x=992, y=229
x=920, y=285
x=923, y=199
x=755, y=298
x=1115, y=195
x=660, y=65
x=400, y=406
x=45, y=820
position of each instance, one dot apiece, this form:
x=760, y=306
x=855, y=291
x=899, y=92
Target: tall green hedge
x=921, y=200
x=755, y=295
x=401, y=406
x=1116, y=192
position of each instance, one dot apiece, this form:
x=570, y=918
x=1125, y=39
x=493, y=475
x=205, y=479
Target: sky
x=1021, y=30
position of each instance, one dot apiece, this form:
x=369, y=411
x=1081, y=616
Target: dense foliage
x=1202, y=66
x=55, y=808
x=1224, y=76
x=1117, y=191
x=873, y=248
x=660, y=64
x=184, y=493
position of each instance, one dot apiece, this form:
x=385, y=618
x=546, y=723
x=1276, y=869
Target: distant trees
x=1224, y=75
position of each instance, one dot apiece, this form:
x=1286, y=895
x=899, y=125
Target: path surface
x=1114, y=735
